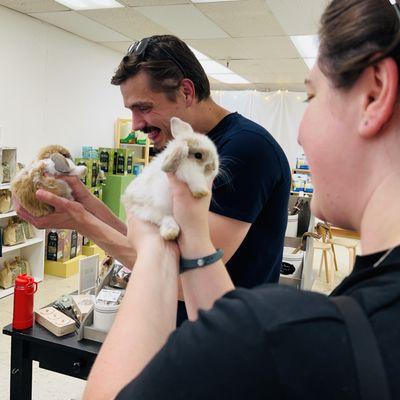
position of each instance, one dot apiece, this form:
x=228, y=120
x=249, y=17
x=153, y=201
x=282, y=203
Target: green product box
x=122, y=161
x=92, y=166
x=106, y=159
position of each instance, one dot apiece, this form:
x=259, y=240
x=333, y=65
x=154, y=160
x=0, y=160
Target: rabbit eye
x=199, y=156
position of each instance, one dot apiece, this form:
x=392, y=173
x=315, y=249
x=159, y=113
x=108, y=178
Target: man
x=160, y=78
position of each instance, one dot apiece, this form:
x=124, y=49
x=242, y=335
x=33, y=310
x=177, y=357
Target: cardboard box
x=62, y=244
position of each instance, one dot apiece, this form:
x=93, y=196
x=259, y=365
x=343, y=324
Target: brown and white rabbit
x=52, y=160
x=192, y=157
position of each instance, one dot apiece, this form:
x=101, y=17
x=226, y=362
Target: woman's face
x=328, y=134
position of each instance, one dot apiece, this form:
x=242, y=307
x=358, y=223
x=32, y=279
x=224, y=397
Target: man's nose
x=138, y=122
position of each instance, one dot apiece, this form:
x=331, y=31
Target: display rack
x=295, y=192
x=142, y=151
x=32, y=250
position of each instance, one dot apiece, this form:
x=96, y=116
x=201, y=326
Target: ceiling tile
x=185, y=21
x=259, y=71
x=121, y=47
x=127, y=21
x=220, y=49
x=73, y=22
x=269, y=47
x=31, y=6
x=300, y=17
x=245, y=18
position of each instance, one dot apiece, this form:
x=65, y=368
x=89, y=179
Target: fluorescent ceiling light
x=310, y=62
x=306, y=45
x=229, y=78
x=199, y=56
x=89, y=4
x=209, y=1
x=217, y=70
x=213, y=67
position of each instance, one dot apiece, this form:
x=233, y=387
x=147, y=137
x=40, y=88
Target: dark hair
x=354, y=35
x=165, y=74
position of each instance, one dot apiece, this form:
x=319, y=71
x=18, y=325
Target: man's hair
x=158, y=61
x=354, y=35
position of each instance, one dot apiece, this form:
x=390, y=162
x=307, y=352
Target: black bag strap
x=372, y=379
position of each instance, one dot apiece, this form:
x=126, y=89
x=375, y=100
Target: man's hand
x=67, y=214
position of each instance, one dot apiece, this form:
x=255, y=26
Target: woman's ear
x=380, y=83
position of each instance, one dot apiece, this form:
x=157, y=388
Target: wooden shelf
x=11, y=213
x=29, y=242
x=134, y=145
x=7, y=292
x=301, y=171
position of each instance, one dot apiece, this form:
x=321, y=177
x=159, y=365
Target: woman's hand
x=191, y=214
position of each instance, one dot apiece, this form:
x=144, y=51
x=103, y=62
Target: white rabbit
x=192, y=157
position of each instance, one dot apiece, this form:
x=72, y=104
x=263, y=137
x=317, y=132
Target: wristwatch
x=190, y=264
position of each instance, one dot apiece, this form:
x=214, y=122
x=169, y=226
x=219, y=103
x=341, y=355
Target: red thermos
x=25, y=287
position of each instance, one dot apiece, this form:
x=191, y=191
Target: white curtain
x=279, y=112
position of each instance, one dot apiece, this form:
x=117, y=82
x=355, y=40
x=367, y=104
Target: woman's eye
x=199, y=156
x=309, y=98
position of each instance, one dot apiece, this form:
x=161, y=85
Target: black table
x=64, y=355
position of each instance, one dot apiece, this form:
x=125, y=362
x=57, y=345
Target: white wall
x=54, y=88
x=279, y=112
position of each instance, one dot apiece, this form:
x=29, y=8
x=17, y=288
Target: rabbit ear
x=180, y=128
x=174, y=157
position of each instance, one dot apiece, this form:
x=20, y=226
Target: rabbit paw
x=169, y=229
x=199, y=192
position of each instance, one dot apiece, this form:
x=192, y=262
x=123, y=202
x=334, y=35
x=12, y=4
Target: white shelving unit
x=32, y=250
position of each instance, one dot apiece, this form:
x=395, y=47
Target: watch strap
x=186, y=264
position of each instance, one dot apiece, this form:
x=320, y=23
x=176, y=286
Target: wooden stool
x=326, y=246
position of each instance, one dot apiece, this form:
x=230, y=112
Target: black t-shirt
x=275, y=342
x=253, y=186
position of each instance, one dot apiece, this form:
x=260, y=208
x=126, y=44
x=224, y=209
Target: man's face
x=151, y=111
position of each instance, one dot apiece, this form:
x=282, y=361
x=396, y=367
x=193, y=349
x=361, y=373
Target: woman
x=275, y=341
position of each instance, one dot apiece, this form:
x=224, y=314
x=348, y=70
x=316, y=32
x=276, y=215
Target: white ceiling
x=252, y=36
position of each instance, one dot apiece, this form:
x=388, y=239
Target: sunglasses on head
x=139, y=48
x=396, y=7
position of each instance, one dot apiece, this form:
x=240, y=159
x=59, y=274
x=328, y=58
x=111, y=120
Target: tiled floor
x=49, y=385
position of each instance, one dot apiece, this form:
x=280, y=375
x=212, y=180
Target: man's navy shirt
x=253, y=187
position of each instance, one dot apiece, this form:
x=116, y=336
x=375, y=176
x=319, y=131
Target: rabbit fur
x=192, y=157
x=51, y=161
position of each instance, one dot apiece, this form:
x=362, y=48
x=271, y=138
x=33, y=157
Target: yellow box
x=62, y=269
x=93, y=249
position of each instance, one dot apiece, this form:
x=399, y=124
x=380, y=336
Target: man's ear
x=380, y=87
x=188, y=90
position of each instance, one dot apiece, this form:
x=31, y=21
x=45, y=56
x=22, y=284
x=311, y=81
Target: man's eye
x=199, y=156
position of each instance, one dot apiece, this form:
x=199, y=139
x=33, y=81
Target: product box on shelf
x=122, y=162
x=62, y=244
x=92, y=165
x=89, y=152
x=106, y=159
